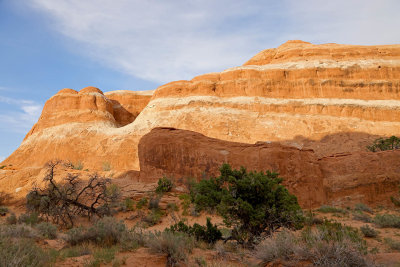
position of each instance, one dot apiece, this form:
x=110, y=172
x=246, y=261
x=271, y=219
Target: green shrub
x=393, y=244
x=19, y=231
x=209, y=233
x=127, y=205
x=382, y=144
x=2, y=167
x=329, y=244
x=103, y=255
x=363, y=208
x=47, y=230
x=360, y=216
x=76, y=251
x=154, y=202
x=29, y=218
x=78, y=165
x=175, y=245
x=106, y=166
x=185, y=198
x=387, y=221
x=106, y=232
x=153, y=217
x=164, y=185
x=12, y=219
x=250, y=202
x=172, y=207
x=368, y=231
x=141, y=203
x=22, y=253
x=3, y=211
x=330, y=209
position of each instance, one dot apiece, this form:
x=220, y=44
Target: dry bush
x=105, y=232
x=175, y=245
x=62, y=202
x=22, y=253
x=387, y=221
x=329, y=245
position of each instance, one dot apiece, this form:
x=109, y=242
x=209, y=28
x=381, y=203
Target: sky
x=47, y=45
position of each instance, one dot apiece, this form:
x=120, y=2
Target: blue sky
x=47, y=45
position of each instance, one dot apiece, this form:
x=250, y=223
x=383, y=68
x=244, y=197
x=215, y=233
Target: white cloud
x=20, y=114
x=171, y=40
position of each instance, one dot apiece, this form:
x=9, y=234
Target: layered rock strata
x=342, y=179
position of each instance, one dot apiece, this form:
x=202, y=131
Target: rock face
x=358, y=177
x=326, y=98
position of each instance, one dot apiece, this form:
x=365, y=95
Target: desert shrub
x=105, y=232
x=2, y=167
x=29, y=218
x=382, y=144
x=62, y=202
x=154, y=202
x=153, y=217
x=362, y=208
x=185, y=198
x=249, y=214
x=175, y=245
x=209, y=233
x=360, y=216
x=103, y=255
x=330, y=209
x=19, y=231
x=329, y=244
x=3, y=211
x=387, y=221
x=172, y=207
x=47, y=230
x=76, y=235
x=78, y=165
x=393, y=244
x=281, y=246
x=76, y=251
x=127, y=205
x=141, y=203
x=106, y=166
x=12, y=219
x=369, y=231
x=4, y=197
x=164, y=185
x=22, y=253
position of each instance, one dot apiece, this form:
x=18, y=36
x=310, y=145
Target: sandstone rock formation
x=358, y=177
x=327, y=98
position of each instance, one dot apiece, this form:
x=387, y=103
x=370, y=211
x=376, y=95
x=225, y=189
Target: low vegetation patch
x=369, y=231
x=22, y=253
x=175, y=245
x=164, y=185
x=360, y=216
x=329, y=244
x=387, y=221
x=209, y=233
x=393, y=244
x=330, y=209
x=382, y=144
x=361, y=207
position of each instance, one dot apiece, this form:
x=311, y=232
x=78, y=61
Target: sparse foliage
x=368, y=231
x=382, y=144
x=209, y=233
x=164, y=185
x=61, y=202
